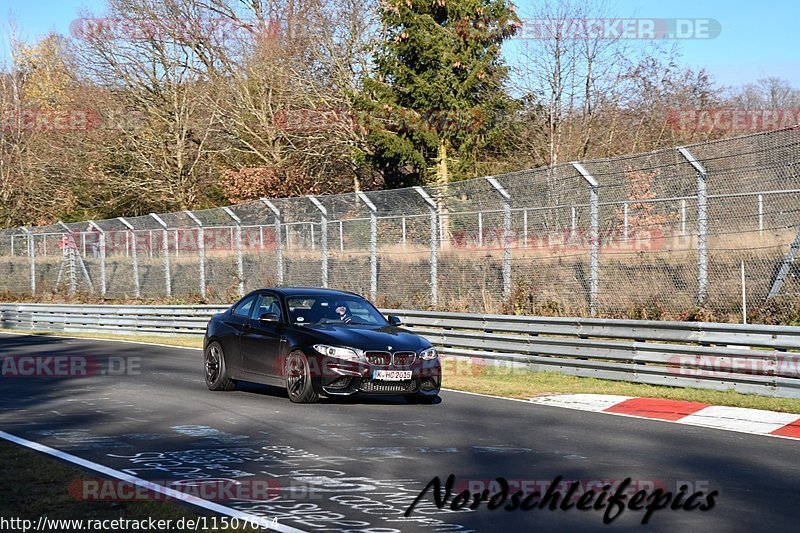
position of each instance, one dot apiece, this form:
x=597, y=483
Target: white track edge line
x=273, y=525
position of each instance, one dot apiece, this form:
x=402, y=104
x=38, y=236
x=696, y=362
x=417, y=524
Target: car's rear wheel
x=298, y=379
x=421, y=398
x=215, y=370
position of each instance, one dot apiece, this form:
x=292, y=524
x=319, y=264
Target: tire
x=426, y=399
x=298, y=379
x=214, y=368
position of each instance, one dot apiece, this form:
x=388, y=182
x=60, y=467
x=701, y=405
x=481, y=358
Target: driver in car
x=344, y=312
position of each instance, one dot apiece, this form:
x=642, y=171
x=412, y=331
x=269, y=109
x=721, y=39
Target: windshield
x=333, y=309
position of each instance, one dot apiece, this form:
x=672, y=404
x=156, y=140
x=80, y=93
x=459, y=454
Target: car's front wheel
x=298, y=379
x=215, y=371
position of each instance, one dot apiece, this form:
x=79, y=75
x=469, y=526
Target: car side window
x=244, y=308
x=268, y=303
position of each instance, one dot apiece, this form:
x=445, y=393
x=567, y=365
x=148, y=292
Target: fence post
x=201, y=251
x=625, y=222
x=278, y=246
x=594, y=237
x=238, y=244
x=323, y=237
x=404, y=234
x=102, y=251
x=573, y=227
x=165, y=253
x=134, y=257
x=480, y=229
x=433, y=243
x=31, y=258
x=506, y=235
x=683, y=217
x=702, y=225
x=69, y=257
x=761, y=213
x=341, y=236
x=525, y=227
x=373, y=245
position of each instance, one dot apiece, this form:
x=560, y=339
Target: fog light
x=339, y=383
x=429, y=384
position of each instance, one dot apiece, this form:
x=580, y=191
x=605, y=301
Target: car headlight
x=429, y=354
x=350, y=354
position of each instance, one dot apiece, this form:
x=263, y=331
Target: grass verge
x=520, y=383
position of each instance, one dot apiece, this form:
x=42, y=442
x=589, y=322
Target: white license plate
x=392, y=375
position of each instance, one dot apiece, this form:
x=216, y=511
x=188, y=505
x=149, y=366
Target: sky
x=757, y=39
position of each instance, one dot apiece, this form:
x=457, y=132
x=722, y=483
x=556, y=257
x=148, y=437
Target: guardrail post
x=373, y=245
x=165, y=250
x=702, y=225
x=102, y=252
x=31, y=258
x=278, y=246
x=134, y=257
x=323, y=237
x=433, y=242
x=238, y=245
x=594, y=236
x=506, y=235
x=201, y=251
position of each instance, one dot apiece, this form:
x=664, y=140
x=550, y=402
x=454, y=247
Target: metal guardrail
x=746, y=358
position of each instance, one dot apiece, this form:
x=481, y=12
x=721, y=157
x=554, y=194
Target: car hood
x=378, y=338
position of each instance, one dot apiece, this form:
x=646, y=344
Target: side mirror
x=394, y=320
x=268, y=317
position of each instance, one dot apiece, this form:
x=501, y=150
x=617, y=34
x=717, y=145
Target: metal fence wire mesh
x=653, y=235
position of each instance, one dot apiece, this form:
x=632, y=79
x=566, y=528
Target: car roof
x=308, y=291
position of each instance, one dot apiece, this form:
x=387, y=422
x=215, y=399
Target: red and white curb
x=755, y=421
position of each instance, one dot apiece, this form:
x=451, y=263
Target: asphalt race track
x=358, y=464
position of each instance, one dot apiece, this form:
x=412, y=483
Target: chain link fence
x=653, y=235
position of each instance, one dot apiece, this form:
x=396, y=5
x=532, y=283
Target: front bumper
x=345, y=378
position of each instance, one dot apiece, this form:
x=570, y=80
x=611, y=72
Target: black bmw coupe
x=318, y=342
